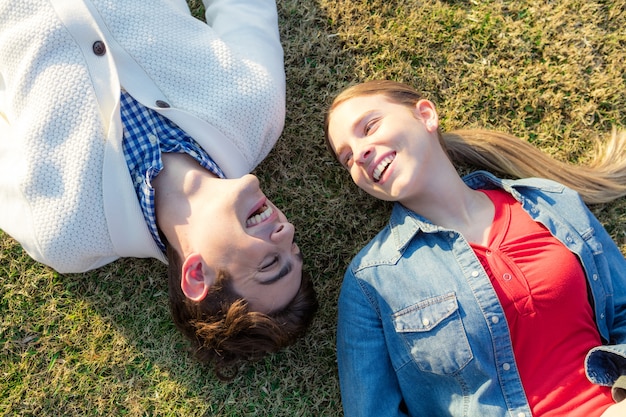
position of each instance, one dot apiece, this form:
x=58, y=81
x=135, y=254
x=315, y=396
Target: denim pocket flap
x=425, y=315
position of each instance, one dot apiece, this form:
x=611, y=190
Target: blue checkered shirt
x=146, y=135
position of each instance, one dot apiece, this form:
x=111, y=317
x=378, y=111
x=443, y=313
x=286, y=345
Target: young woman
x=128, y=129
x=483, y=296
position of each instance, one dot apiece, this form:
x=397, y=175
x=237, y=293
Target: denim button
x=506, y=366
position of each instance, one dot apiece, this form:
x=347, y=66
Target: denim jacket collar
x=404, y=224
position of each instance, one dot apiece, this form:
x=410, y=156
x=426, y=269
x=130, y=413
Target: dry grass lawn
x=102, y=344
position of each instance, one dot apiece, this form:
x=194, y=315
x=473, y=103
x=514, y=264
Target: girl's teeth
x=381, y=167
x=258, y=218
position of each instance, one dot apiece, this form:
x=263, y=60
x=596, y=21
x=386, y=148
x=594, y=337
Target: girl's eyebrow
x=354, y=127
x=359, y=120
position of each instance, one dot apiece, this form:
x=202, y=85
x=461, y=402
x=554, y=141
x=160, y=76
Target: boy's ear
x=425, y=110
x=196, y=277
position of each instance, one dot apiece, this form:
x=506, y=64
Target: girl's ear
x=426, y=112
x=196, y=277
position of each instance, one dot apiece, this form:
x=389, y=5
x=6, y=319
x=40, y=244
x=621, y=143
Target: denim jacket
x=421, y=331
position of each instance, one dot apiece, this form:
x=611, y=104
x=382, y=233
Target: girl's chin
x=381, y=195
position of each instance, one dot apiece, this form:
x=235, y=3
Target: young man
x=127, y=129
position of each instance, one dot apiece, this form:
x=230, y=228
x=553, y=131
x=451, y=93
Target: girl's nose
x=363, y=155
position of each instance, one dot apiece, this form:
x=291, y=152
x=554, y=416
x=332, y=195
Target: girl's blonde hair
x=601, y=180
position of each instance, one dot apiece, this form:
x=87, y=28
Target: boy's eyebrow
x=283, y=271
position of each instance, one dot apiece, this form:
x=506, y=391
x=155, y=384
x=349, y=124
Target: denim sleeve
x=368, y=382
x=616, y=267
x=604, y=364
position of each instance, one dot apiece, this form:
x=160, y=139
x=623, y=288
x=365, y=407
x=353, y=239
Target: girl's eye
x=347, y=161
x=369, y=126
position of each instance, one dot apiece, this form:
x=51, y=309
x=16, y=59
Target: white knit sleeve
x=251, y=28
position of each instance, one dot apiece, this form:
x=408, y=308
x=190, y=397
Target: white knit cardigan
x=65, y=191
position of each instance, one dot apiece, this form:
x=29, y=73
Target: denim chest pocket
x=434, y=334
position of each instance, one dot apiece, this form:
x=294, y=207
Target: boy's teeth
x=381, y=167
x=258, y=218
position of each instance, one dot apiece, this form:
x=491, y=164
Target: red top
x=542, y=288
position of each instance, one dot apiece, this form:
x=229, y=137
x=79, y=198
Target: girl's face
x=388, y=148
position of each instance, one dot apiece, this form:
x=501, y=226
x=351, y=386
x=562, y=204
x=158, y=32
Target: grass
x=102, y=344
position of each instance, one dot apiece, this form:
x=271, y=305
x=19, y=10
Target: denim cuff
x=605, y=364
